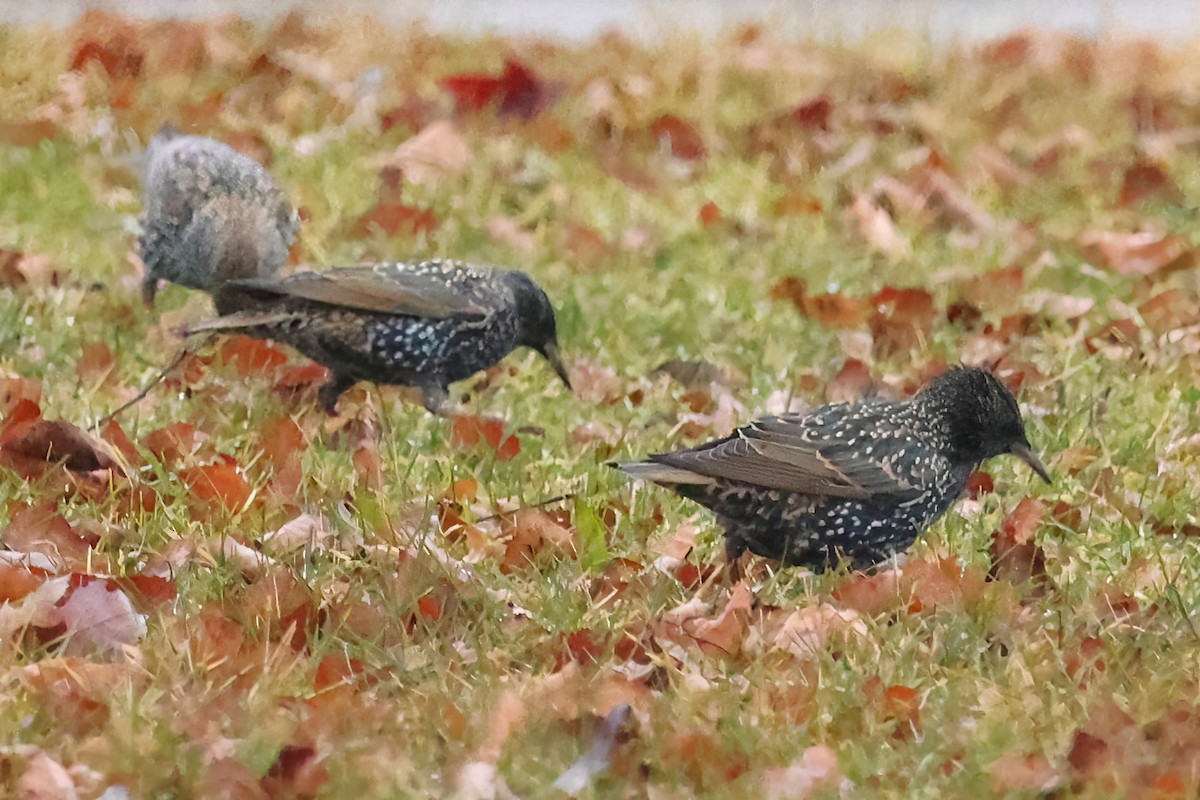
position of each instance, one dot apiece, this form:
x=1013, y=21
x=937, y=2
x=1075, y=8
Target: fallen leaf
x=598, y=757
x=220, y=482
x=1019, y=772
x=1146, y=180
x=45, y=779
x=99, y=618
x=52, y=442
x=678, y=137
x=816, y=771
x=439, y=151
x=878, y=229
x=1015, y=555
x=516, y=92
x=1140, y=253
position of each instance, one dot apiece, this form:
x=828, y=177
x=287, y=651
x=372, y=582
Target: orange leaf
x=282, y=441
x=252, y=357
x=220, y=482
x=710, y=214
x=175, y=442
x=679, y=137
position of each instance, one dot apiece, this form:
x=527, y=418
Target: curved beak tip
x=560, y=369
x=1029, y=457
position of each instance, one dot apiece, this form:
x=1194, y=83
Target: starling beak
x=211, y=214
x=1023, y=452
x=855, y=481
x=424, y=325
x=551, y=354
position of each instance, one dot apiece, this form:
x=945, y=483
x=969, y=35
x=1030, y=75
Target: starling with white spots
x=211, y=214
x=851, y=481
x=423, y=325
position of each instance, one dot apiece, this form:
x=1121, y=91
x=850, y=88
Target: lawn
x=223, y=592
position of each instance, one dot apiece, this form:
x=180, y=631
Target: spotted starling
x=211, y=214
x=853, y=481
x=424, y=325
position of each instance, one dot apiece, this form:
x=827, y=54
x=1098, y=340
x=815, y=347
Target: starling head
x=981, y=417
x=536, y=319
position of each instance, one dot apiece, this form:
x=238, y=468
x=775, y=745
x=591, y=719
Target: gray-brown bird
x=211, y=214
x=424, y=325
x=852, y=481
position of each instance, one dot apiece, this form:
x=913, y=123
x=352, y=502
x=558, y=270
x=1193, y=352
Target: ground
x=220, y=591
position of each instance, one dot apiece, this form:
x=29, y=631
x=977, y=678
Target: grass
x=511, y=666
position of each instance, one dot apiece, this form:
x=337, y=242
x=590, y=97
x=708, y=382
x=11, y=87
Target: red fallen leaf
x=468, y=431
x=518, y=92
x=175, y=442
x=1146, y=180
x=190, y=370
x=706, y=761
x=297, y=772
x=679, y=137
x=710, y=214
x=251, y=356
x=41, y=529
x=282, y=441
x=429, y=608
x=1009, y=52
x=1141, y=253
x=53, y=442
x=17, y=581
x=832, y=310
x=583, y=646
x=1089, y=654
x=813, y=115
x=302, y=376
x=337, y=670
x=902, y=320
x=118, y=441
x=147, y=590
x=21, y=418
x=1015, y=556
x=979, y=483
x=111, y=45
x=220, y=482
x=13, y=391
x=1088, y=753
x=853, y=382
x=396, y=219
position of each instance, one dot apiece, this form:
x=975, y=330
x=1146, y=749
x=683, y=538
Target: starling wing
x=869, y=455
x=383, y=289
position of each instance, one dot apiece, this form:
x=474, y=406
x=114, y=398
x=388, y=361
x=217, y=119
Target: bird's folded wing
x=392, y=291
x=786, y=453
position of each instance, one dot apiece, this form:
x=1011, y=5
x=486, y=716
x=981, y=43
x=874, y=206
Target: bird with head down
x=849, y=481
x=423, y=325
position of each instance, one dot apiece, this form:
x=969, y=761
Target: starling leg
x=434, y=398
x=331, y=391
x=149, y=289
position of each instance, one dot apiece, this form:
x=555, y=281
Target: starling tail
x=855, y=481
x=211, y=214
x=424, y=325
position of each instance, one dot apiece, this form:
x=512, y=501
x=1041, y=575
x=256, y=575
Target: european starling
x=858, y=481
x=424, y=325
x=211, y=214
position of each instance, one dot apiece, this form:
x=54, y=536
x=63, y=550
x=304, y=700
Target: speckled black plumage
x=424, y=325
x=211, y=214
x=848, y=481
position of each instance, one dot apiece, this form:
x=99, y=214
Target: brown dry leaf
x=41, y=529
x=678, y=137
x=506, y=230
x=1016, y=772
x=816, y=771
x=724, y=632
x=878, y=229
x=1146, y=180
x=46, y=442
x=1015, y=556
x=529, y=531
x=304, y=531
x=1140, y=253
x=45, y=779
x=99, y=619
x=806, y=631
x=437, y=152
x=35, y=609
